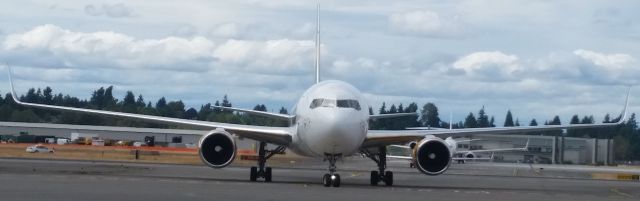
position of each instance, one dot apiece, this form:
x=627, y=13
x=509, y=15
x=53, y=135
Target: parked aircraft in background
x=459, y=155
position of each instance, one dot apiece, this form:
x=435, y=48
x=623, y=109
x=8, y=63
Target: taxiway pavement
x=24, y=179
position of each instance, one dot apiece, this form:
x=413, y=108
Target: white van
x=63, y=141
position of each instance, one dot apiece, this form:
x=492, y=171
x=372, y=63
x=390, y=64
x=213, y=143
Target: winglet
x=13, y=90
x=626, y=105
x=526, y=146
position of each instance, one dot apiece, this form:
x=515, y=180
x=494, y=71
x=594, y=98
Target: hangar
x=545, y=149
x=163, y=137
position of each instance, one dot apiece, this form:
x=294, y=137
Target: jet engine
x=217, y=148
x=432, y=156
x=469, y=155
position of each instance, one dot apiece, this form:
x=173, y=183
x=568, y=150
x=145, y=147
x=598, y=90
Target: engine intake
x=217, y=149
x=432, y=156
x=470, y=155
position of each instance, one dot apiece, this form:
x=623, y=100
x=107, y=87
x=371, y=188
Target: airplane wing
x=525, y=148
x=393, y=115
x=470, y=159
x=400, y=157
x=275, y=135
x=284, y=117
x=389, y=137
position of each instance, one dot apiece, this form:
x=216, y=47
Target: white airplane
x=459, y=155
x=329, y=121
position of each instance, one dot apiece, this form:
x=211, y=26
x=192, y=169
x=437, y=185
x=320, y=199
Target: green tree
x=429, y=115
x=140, y=104
x=483, y=119
x=283, y=111
x=508, y=120
x=175, y=109
x=5, y=112
x=392, y=109
x=47, y=95
x=191, y=113
x=24, y=116
x=383, y=109
x=555, y=121
x=129, y=103
x=470, y=121
x=205, y=110
x=573, y=132
x=411, y=121
x=109, y=101
x=161, y=107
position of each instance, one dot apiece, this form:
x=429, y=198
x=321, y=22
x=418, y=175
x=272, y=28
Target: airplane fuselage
x=331, y=118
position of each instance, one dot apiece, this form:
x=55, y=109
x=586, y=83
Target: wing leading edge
x=389, y=137
x=275, y=135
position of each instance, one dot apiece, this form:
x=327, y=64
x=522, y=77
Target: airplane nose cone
x=338, y=132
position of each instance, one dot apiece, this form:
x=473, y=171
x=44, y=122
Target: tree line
x=103, y=99
x=626, y=135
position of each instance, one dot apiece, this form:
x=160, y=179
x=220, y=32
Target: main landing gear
x=381, y=159
x=261, y=171
x=331, y=178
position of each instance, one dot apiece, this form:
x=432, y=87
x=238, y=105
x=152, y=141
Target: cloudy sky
x=537, y=58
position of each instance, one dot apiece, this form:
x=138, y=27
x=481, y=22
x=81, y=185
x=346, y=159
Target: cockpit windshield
x=341, y=103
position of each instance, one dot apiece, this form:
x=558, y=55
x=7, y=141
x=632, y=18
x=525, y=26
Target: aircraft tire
x=254, y=174
x=375, y=178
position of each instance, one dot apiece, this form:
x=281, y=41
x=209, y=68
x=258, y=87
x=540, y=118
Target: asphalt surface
x=23, y=179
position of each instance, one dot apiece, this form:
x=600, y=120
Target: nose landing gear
x=331, y=178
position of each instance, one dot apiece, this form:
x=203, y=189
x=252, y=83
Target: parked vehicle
x=63, y=141
x=39, y=148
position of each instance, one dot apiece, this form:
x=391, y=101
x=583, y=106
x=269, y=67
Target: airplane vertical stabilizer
x=318, y=46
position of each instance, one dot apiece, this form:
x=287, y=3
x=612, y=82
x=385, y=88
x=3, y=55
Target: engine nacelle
x=217, y=148
x=470, y=155
x=412, y=144
x=432, y=156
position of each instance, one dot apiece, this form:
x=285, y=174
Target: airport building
x=162, y=137
x=542, y=149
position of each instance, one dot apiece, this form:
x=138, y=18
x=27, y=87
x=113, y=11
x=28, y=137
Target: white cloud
x=109, y=49
x=424, y=23
x=274, y=56
x=605, y=60
x=110, y=10
x=495, y=65
x=608, y=68
x=115, y=50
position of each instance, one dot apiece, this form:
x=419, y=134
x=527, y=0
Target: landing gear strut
x=331, y=179
x=261, y=171
x=381, y=159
